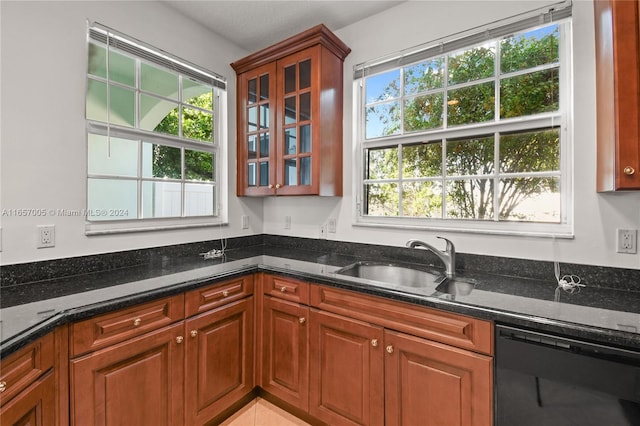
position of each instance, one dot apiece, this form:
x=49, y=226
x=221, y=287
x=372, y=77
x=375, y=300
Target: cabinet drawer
x=286, y=288
x=105, y=330
x=218, y=294
x=22, y=368
x=440, y=326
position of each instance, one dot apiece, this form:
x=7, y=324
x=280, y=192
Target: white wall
x=43, y=154
x=596, y=215
x=43, y=142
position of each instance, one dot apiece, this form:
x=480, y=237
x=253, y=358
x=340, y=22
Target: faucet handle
x=450, y=246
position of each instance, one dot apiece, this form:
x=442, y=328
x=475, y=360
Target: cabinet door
x=346, y=370
x=429, y=383
x=35, y=406
x=256, y=170
x=219, y=360
x=285, y=361
x=137, y=382
x=297, y=124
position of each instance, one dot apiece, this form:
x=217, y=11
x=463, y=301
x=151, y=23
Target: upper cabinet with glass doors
x=617, y=28
x=290, y=117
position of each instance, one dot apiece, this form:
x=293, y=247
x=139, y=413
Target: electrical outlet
x=331, y=225
x=46, y=236
x=245, y=221
x=287, y=222
x=627, y=239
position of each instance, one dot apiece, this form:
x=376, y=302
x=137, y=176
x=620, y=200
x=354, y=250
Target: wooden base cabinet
x=138, y=382
x=428, y=383
x=35, y=406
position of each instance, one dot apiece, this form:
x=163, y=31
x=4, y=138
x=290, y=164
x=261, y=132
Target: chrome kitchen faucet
x=448, y=256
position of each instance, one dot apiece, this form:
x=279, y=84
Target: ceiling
x=255, y=24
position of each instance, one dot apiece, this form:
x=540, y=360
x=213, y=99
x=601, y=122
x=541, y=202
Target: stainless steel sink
x=395, y=275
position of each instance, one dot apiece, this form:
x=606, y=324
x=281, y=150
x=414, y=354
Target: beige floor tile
x=260, y=412
x=246, y=416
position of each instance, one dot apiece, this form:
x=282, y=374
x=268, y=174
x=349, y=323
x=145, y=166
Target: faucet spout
x=447, y=256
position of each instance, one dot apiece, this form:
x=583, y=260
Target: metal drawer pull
x=629, y=170
x=283, y=289
x=3, y=386
x=278, y=186
x=225, y=293
x=390, y=349
x=137, y=322
x=179, y=339
x=302, y=320
x=374, y=343
x=194, y=333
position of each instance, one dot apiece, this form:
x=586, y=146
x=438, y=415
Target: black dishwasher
x=545, y=380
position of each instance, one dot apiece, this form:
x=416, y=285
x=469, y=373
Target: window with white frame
x=155, y=133
x=472, y=133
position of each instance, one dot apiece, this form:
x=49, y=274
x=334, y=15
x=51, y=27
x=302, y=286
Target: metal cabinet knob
x=302, y=320
x=629, y=171
x=3, y=386
x=225, y=293
x=179, y=339
x=194, y=333
x=278, y=186
x=137, y=322
x=270, y=186
x=390, y=349
x=283, y=289
x=374, y=343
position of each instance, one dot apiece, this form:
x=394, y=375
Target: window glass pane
x=158, y=81
x=383, y=120
x=471, y=104
x=114, y=156
x=305, y=74
x=161, y=161
x=290, y=141
x=252, y=119
x=470, y=199
x=422, y=199
x=252, y=91
x=472, y=64
x=382, y=87
x=305, y=171
x=290, y=172
x=290, y=79
x=423, y=112
x=158, y=115
x=122, y=102
x=198, y=165
x=530, y=49
x=96, y=105
x=197, y=94
x=122, y=69
x=305, y=138
x=290, y=110
x=422, y=160
x=264, y=144
x=382, y=199
x=97, y=64
x=469, y=157
x=198, y=199
x=530, y=151
x=423, y=76
x=530, y=199
x=305, y=106
x=530, y=93
x=264, y=86
x=252, y=147
x=382, y=163
x=197, y=125
x=161, y=199
x=112, y=199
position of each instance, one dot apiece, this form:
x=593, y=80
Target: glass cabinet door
x=296, y=124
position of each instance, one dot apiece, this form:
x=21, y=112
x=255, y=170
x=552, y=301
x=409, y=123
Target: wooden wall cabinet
x=617, y=27
x=289, y=117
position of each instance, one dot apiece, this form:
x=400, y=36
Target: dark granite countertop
x=604, y=315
